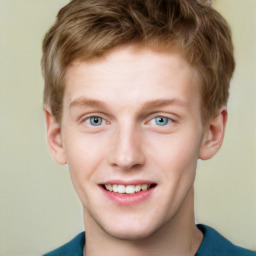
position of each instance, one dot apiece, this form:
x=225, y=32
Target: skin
x=127, y=90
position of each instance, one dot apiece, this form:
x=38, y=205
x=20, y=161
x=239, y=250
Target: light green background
x=39, y=209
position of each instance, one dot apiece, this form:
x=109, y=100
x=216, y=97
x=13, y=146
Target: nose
x=126, y=151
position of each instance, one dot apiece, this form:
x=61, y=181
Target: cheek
x=84, y=155
x=176, y=154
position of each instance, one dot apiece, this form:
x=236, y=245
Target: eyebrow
x=166, y=102
x=83, y=101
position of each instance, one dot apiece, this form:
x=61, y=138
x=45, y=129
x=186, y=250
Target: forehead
x=131, y=75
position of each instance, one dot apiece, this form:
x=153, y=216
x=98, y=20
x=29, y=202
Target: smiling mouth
x=128, y=189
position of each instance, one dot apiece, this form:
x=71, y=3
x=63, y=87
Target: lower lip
x=128, y=199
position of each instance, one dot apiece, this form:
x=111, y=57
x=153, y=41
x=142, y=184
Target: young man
x=135, y=94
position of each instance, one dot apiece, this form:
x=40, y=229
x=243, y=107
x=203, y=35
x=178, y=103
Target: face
x=131, y=134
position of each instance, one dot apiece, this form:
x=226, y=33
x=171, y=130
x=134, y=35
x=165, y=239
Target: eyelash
x=163, y=119
x=167, y=120
x=88, y=120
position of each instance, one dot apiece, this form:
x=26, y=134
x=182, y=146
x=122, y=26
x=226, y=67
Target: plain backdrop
x=39, y=209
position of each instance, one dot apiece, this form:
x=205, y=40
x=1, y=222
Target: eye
x=94, y=121
x=161, y=121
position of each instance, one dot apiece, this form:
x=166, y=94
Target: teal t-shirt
x=213, y=244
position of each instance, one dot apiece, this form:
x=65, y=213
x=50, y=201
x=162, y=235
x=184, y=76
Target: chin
x=128, y=231
x=130, y=234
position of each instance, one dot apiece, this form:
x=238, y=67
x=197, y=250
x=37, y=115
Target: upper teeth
x=129, y=189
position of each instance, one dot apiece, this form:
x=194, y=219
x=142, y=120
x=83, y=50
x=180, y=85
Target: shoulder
x=72, y=248
x=215, y=244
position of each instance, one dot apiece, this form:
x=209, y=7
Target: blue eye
x=161, y=121
x=95, y=121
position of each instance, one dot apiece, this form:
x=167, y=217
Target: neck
x=179, y=236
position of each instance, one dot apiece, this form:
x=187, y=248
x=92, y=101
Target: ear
x=214, y=135
x=54, y=138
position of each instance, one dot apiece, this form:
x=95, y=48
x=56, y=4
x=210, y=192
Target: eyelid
x=169, y=116
x=88, y=121
x=87, y=116
x=168, y=119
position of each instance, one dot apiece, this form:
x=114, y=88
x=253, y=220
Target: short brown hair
x=85, y=29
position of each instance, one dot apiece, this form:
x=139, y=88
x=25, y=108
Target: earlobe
x=214, y=135
x=54, y=139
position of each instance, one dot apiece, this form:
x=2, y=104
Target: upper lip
x=127, y=182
